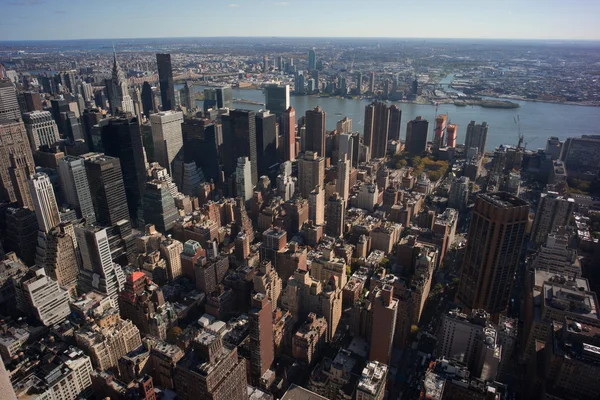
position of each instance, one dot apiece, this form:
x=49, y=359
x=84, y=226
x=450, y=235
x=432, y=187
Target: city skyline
x=470, y=20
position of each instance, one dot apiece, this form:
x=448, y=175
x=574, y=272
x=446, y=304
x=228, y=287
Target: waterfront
x=538, y=120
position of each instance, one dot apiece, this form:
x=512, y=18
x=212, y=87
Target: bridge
x=187, y=76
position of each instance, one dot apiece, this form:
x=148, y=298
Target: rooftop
x=503, y=200
x=373, y=377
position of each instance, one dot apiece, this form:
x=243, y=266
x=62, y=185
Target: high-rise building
x=315, y=131
x=107, y=189
x=359, y=82
x=476, y=136
x=262, y=351
x=147, y=99
x=371, y=385
x=372, y=83
x=218, y=98
x=188, y=98
x=395, y=122
x=286, y=184
x=118, y=91
x=121, y=138
x=343, y=177
x=211, y=371
x=44, y=202
x=553, y=212
x=288, y=126
x=243, y=179
x=344, y=125
x=40, y=296
x=311, y=172
x=385, y=309
x=277, y=98
x=98, y=271
x=167, y=137
x=336, y=210
x=165, y=78
x=266, y=142
x=41, y=129
x=377, y=122
x=171, y=250
x=16, y=164
x=416, y=135
x=61, y=260
x=203, y=140
x=159, y=206
x=440, y=131
x=312, y=60
x=451, y=132
x=239, y=138
x=75, y=187
x=9, y=105
x=493, y=251
x=346, y=147
x=316, y=205
x=21, y=233
x=458, y=196
x=310, y=339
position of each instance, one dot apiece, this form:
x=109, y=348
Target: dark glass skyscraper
x=416, y=135
x=239, y=138
x=377, y=120
x=147, y=103
x=395, y=122
x=107, y=189
x=266, y=142
x=122, y=139
x=202, y=141
x=315, y=131
x=165, y=77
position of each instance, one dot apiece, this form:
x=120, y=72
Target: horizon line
x=307, y=37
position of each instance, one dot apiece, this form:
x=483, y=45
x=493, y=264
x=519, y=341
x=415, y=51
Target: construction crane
x=519, y=134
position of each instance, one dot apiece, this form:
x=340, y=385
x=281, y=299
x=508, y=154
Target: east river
x=538, y=120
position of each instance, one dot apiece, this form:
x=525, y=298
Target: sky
x=502, y=19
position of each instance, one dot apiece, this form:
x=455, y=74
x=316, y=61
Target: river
x=538, y=120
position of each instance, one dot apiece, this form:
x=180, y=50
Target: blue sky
x=85, y=19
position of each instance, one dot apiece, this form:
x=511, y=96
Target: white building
x=39, y=295
x=44, y=201
x=243, y=178
x=167, y=137
x=316, y=206
x=41, y=129
x=367, y=197
x=343, y=177
x=75, y=187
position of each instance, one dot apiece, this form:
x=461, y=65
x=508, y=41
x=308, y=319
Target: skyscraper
x=277, y=98
x=336, y=209
x=41, y=129
x=311, y=172
x=118, y=90
x=218, y=98
x=315, y=131
x=107, y=189
x=439, y=131
x=343, y=177
x=187, y=96
x=416, y=135
x=385, y=308
x=61, y=259
x=451, y=132
x=346, y=147
x=203, y=140
x=75, y=187
x=44, y=202
x=312, y=60
x=359, y=82
x=98, y=271
x=261, y=336
x=147, y=101
x=553, y=212
x=395, y=122
x=493, y=251
x=159, y=206
x=372, y=83
x=316, y=205
x=121, y=138
x=377, y=121
x=165, y=78
x=16, y=164
x=476, y=136
x=288, y=125
x=9, y=105
x=243, y=179
x=167, y=137
x=239, y=138
x=344, y=125
x=266, y=142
